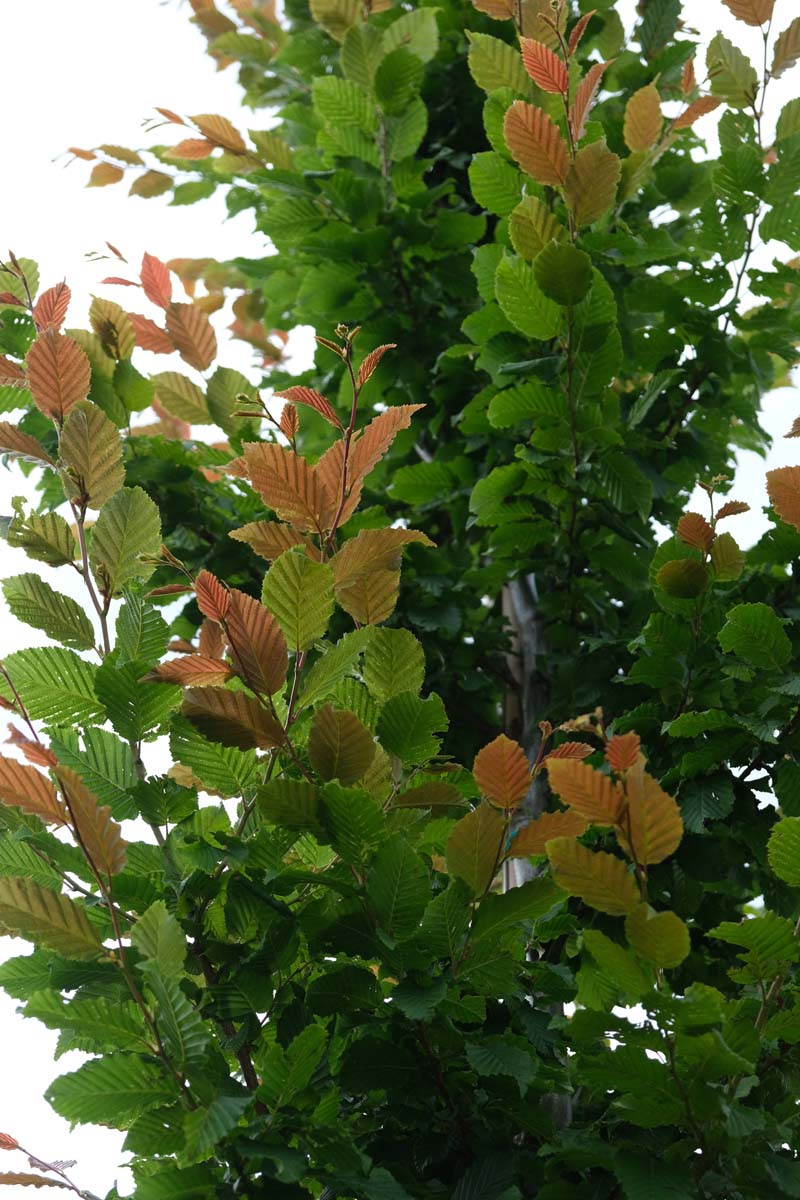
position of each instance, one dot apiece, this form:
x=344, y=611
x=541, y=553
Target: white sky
x=92, y=73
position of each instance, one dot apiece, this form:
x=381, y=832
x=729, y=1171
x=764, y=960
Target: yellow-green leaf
x=601, y=880
x=475, y=847
x=46, y=918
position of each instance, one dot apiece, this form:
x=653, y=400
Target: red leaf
x=7, y=298
x=213, y=598
x=694, y=530
x=192, y=148
x=688, y=79
x=11, y=373
x=86, y=155
x=150, y=336
x=732, y=508
x=307, y=395
x=193, y=335
x=579, y=29
x=545, y=68
x=191, y=670
x=536, y=143
x=585, y=97
x=58, y=372
x=170, y=115
x=289, y=422
x=51, y=307
x=502, y=772
x=119, y=281
x=220, y=131
x=371, y=361
x=156, y=281
x=257, y=644
x=697, y=109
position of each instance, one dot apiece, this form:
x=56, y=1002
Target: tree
x=296, y=997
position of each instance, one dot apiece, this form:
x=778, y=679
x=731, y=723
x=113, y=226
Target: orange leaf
x=59, y=374
x=213, y=598
x=585, y=97
x=694, y=530
x=192, y=148
x=86, y=155
x=11, y=373
x=372, y=550
x=193, y=335
x=257, y=644
x=622, y=752
x=533, y=837
x=307, y=395
x=329, y=473
x=783, y=486
x=371, y=361
x=372, y=598
x=156, y=281
x=591, y=186
x=171, y=116
x=35, y=752
x=339, y=746
x=570, y=750
x=752, y=12
x=191, y=669
x=376, y=439
x=287, y=483
x=795, y=430
x=688, y=79
x=289, y=422
x=732, y=508
x=220, y=131
x=536, y=143
x=268, y=538
x=643, y=119
x=16, y=441
x=652, y=823
x=51, y=307
x=117, y=280
x=600, y=879
x=502, y=772
x=231, y=718
x=211, y=639
x=589, y=792
x=698, y=108
x=26, y=788
x=578, y=30
x=104, y=173
x=545, y=68
x=99, y=835
x=149, y=336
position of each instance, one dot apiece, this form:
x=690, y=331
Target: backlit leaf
x=727, y=560
x=339, y=746
x=98, y=834
x=299, y=593
x=652, y=820
x=475, y=847
x=697, y=109
x=182, y=397
x=394, y=662
x=752, y=12
x=589, y=792
x=787, y=48
x=733, y=77
x=495, y=64
x=110, y=1090
x=191, y=670
x=288, y=484
x=545, y=68
x=128, y=528
x=33, y=601
x=532, y=839
x=370, y=598
x=150, y=336
x=307, y=396
x=502, y=772
x=532, y=226
x=155, y=279
x=58, y=373
x=585, y=96
x=50, y=310
x=268, y=538
x=783, y=486
x=91, y=450
x=213, y=598
x=257, y=644
x=56, y=686
x=694, y=530
x=408, y=725
x=622, y=752
x=524, y=302
x=111, y=324
x=24, y=787
x=783, y=850
x=47, y=918
x=536, y=143
x=660, y=938
x=643, y=119
x=220, y=131
x=563, y=273
x=591, y=183
x=192, y=334
x=683, y=578
x=601, y=880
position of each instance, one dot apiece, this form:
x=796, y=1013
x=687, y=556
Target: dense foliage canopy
x=538, y=329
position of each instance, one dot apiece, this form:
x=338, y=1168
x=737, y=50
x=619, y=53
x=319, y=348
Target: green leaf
x=211, y=1122
x=362, y=51
x=56, y=686
x=291, y=803
x=90, y=1025
x=334, y=664
x=398, y=887
x=683, y=579
x=629, y=976
x=128, y=528
x=110, y=1091
x=223, y=388
x=756, y=634
x=416, y=31
x=299, y=593
x=407, y=727
x=659, y=938
x=222, y=769
x=48, y=918
x=342, y=102
x=690, y=724
x=525, y=402
x=17, y=858
x=397, y=80
x=179, y=1023
x=135, y=709
x=496, y=184
x=496, y=64
x=174, y=1183
x=783, y=850
x=524, y=302
x=419, y=1001
x=160, y=940
x=496, y=1056
x=474, y=848
x=446, y=918
x=354, y=822
x=142, y=633
x=626, y=488
x=91, y=450
x=733, y=77
x=648, y=1177
x=406, y=131
x=104, y=763
x=532, y=226
x=46, y=539
x=563, y=272
x=769, y=941
x=33, y=601
x=528, y=902
x=288, y=1072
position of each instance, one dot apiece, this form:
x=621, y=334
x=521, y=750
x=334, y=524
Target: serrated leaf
x=232, y=718
x=495, y=64
x=91, y=450
x=787, y=48
x=22, y=445
x=588, y=791
x=531, y=900
x=33, y=601
x=257, y=644
x=58, y=373
x=343, y=103
x=299, y=593
x=25, y=1179
x=46, y=538
x=268, y=538
x=727, y=560
x=536, y=143
x=546, y=69
x=497, y=1057
x=659, y=938
x=286, y=482
x=398, y=887
x=142, y=633
x=207, y=1125
x=417, y=31
x=288, y=1072
x=394, y=662
x=110, y=1090
x=591, y=183
x=783, y=486
x=524, y=302
x=502, y=772
x=339, y=746
x=408, y=725
x=46, y=918
x=56, y=686
x=179, y=1023
x=112, y=326
x=159, y=939
x=192, y=334
x=26, y=788
x=733, y=77
x=618, y=964
x=222, y=769
x=756, y=634
x=683, y=579
x=643, y=119
x=563, y=273
x=532, y=226
x=532, y=839
x=182, y=397
x=783, y=850
x=601, y=880
x=128, y=528
x=134, y=708
x=332, y=666
x=290, y=803
x=99, y=836
x=474, y=848
x=353, y=822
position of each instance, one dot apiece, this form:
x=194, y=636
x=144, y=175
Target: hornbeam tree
x=539, y=327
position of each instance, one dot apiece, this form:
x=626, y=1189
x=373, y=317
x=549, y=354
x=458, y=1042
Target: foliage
x=305, y=979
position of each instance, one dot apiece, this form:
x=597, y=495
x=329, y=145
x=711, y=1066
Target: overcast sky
x=91, y=73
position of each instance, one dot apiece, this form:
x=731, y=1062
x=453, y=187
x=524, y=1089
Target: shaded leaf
x=601, y=880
